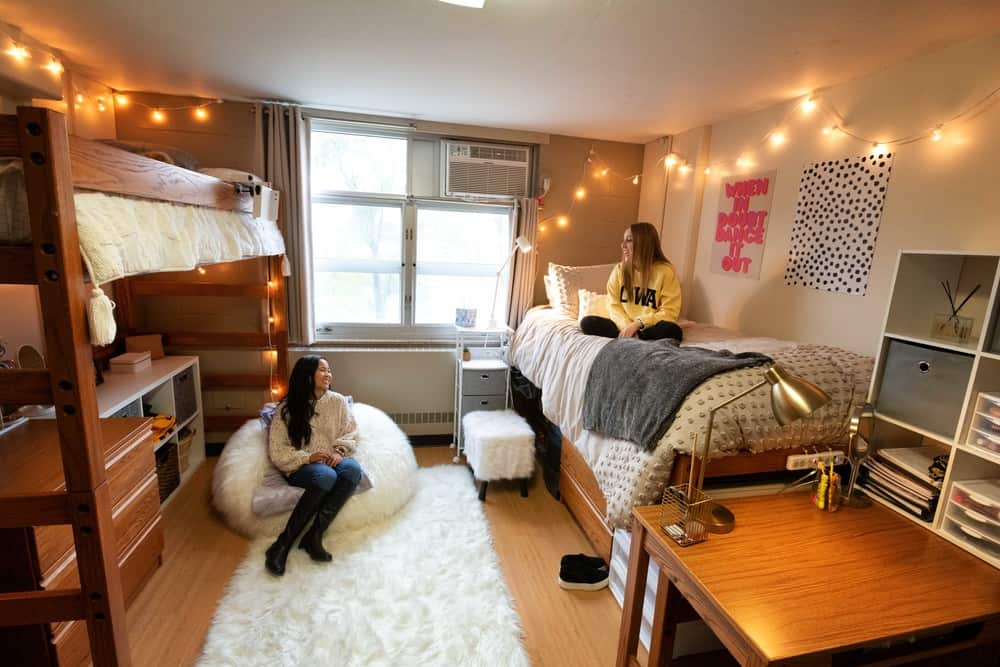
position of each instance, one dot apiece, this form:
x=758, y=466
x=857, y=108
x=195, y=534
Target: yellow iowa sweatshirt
x=658, y=301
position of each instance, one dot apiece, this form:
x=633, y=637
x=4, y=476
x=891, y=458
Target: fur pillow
x=593, y=303
x=567, y=281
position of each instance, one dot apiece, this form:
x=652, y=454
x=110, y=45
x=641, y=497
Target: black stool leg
x=482, y=491
x=524, y=488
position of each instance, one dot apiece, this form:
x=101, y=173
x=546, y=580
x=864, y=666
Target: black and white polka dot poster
x=836, y=223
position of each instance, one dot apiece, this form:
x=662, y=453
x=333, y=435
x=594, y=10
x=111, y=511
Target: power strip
x=805, y=461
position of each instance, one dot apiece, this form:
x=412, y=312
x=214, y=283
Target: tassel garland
x=286, y=266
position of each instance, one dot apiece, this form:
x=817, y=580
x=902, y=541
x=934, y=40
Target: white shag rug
x=422, y=588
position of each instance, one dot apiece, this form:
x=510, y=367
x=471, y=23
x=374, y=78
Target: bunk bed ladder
x=70, y=386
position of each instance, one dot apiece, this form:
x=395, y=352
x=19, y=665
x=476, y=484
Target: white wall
x=943, y=195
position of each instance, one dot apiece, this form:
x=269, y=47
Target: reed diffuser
x=953, y=326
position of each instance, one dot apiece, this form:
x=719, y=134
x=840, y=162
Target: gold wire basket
x=684, y=514
x=684, y=510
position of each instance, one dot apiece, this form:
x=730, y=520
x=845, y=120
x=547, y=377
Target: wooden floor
x=170, y=617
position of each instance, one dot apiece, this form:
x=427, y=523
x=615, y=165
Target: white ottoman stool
x=499, y=444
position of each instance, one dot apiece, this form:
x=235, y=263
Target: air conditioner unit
x=485, y=170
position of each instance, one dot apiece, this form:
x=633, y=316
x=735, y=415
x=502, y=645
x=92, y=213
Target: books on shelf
x=901, y=477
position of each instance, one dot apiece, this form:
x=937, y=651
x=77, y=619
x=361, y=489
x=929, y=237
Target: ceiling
x=629, y=70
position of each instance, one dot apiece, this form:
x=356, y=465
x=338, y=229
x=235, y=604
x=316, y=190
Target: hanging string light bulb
x=158, y=116
x=580, y=193
x=200, y=113
x=18, y=52
x=121, y=100
x=54, y=66
x=635, y=180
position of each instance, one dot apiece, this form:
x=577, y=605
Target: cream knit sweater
x=333, y=431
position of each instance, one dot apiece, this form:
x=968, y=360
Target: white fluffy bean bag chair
x=383, y=451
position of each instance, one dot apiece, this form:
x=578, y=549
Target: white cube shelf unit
x=170, y=386
x=926, y=388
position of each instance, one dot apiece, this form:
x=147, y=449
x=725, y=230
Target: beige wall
x=594, y=233
x=224, y=139
x=941, y=196
x=86, y=119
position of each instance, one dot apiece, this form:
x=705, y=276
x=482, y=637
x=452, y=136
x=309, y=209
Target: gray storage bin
x=484, y=382
x=924, y=386
x=473, y=403
x=133, y=409
x=185, y=400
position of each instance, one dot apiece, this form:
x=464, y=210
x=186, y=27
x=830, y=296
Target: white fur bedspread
x=552, y=352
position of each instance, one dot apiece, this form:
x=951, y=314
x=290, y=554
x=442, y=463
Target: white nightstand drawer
x=484, y=382
x=473, y=403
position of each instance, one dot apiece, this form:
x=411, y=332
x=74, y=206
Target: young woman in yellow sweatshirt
x=644, y=296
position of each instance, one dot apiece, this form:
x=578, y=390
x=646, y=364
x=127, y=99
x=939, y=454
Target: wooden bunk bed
x=54, y=166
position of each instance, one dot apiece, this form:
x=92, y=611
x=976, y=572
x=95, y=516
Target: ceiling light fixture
x=476, y=4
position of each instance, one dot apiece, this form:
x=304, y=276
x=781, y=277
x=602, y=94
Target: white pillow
x=593, y=303
x=550, y=290
x=569, y=280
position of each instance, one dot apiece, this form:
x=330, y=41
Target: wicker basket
x=184, y=440
x=167, y=473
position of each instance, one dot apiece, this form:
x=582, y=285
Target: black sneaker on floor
x=585, y=560
x=581, y=577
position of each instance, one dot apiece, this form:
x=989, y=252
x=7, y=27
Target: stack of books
x=901, y=477
x=130, y=362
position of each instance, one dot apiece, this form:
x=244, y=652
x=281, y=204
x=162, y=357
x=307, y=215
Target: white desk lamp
x=520, y=243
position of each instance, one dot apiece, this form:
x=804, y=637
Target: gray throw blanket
x=636, y=387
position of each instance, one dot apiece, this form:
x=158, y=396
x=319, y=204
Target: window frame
x=407, y=331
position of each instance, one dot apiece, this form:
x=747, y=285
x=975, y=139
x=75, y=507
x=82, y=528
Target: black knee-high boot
x=277, y=553
x=312, y=541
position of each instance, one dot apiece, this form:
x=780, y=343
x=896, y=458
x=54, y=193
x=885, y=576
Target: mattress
x=552, y=352
x=124, y=236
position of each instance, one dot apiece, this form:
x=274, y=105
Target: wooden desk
x=793, y=585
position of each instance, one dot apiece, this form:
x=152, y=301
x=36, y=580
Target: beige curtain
x=522, y=287
x=281, y=150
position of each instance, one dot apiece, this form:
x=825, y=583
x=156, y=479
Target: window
x=387, y=264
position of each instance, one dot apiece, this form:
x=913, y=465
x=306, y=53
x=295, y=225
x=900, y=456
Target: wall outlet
x=806, y=461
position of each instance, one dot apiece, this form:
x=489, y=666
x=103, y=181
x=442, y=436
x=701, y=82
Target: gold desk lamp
x=792, y=398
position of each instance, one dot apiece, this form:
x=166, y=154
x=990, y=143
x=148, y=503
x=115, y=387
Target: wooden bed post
x=49, y=184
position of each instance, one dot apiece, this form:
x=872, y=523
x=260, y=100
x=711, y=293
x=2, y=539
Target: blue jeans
x=321, y=477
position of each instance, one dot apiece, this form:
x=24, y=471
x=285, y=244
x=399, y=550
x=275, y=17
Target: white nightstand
x=482, y=382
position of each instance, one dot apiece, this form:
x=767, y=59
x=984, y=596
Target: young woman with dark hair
x=311, y=440
x=644, y=296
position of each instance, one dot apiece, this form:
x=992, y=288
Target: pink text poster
x=741, y=224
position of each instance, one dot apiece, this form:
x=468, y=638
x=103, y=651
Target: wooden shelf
x=175, y=288
x=220, y=423
x=236, y=381
x=961, y=348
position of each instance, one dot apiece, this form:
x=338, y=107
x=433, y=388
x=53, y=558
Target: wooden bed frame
x=582, y=495
x=56, y=164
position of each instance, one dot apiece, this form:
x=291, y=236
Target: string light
x=562, y=221
x=158, y=116
x=708, y=170
x=54, y=66
x=200, y=113
x=100, y=104
x=18, y=52
x=121, y=100
x=272, y=284
x=684, y=168
x=270, y=320
x=542, y=227
x=202, y=270
x=936, y=134
x=635, y=180
x=580, y=193
x=829, y=130
x=879, y=147
x=670, y=160
x=808, y=105
x=79, y=98
x=777, y=138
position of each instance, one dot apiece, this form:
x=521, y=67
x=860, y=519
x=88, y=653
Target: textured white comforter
x=122, y=236
x=552, y=352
